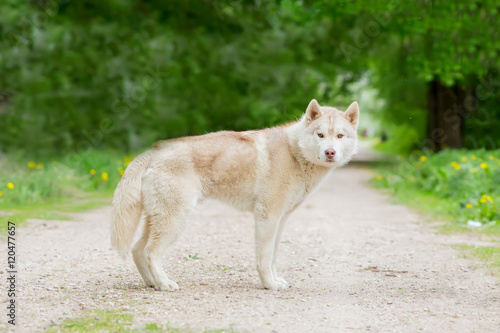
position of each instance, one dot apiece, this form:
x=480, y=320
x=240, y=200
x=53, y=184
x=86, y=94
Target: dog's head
x=329, y=136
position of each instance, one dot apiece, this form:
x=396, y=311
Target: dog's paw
x=168, y=285
x=282, y=282
x=276, y=285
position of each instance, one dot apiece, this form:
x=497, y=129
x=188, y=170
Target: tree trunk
x=445, y=122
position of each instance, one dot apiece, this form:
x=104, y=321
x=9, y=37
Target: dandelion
x=127, y=160
x=486, y=197
x=31, y=165
x=469, y=205
x=1, y=193
x=39, y=166
x=10, y=185
x=464, y=159
x=121, y=171
x=379, y=177
x=474, y=157
x=92, y=171
x=474, y=170
x=484, y=165
x=491, y=157
x=423, y=158
x=104, y=176
x=482, y=200
x=455, y=165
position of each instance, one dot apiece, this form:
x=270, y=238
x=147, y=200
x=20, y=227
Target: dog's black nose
x=330, y=152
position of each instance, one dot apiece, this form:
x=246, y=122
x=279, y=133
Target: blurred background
x=85, y=85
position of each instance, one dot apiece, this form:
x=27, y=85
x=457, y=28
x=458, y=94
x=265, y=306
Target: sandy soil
x=356, y=262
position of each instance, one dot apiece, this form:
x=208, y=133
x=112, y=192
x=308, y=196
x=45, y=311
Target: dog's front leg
x=265, y=235
x=279, y=231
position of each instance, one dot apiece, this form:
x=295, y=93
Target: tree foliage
x=406, y=45
x=123, y=74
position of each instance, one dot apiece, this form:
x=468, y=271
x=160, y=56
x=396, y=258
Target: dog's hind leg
x=167, y=212
x=140, y=258
x=165, y=229
x=167, y=204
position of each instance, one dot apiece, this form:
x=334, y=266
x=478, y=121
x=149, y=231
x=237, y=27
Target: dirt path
x=356, y=262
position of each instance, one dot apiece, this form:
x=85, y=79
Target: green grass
x=50, y=187
x=490, y=256
x=453, y=185
x=56, y=209
x=115, y=321
x=105, y=321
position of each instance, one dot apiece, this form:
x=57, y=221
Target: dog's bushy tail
x=127, y=204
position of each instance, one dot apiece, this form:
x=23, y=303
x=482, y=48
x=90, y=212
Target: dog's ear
x=352, y=114
x=313, y=111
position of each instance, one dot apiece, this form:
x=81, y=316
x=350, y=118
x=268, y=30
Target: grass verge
x=105, y=321
x=51, y=187
x=55, y=209
x=458, y=187
x=115, y=321
x=490, y=256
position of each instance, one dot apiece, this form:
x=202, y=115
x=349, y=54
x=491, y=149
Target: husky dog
x=268, y=172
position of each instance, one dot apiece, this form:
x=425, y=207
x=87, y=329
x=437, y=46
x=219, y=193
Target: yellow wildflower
x=121, y=171
x=31, y=165
x=379, y=177
x=92, y=171
x=39, y=166
x=464, y=159
x=455, y=165
x=423, y=158
x=127, y=160
x=492, y=157
x=483, y=200
x=484, y=165
x=104, y=176
x=474, y=170
x=468, y=205
x=1, y=193
x=474, y=157
x=486, y=197
x=10, y=185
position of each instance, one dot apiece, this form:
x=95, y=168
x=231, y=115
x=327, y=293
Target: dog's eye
x=321, y=135
x=340, y=136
